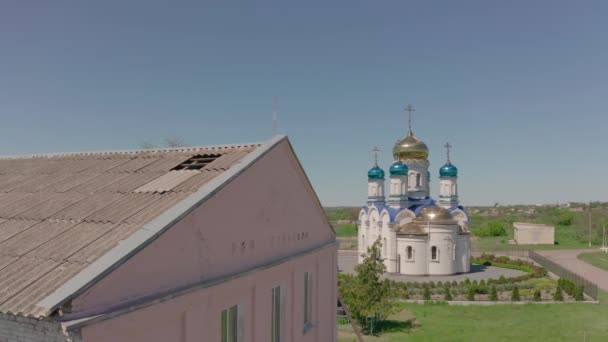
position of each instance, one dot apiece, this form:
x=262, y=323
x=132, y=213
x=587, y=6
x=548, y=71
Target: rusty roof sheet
x=61, y=212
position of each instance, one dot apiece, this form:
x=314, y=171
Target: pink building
x=218, y=243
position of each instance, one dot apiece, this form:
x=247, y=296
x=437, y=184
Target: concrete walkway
x=567, y=259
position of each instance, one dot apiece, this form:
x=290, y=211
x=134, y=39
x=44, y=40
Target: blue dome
x=398, y=169
x=375, y=173
x=448, y=170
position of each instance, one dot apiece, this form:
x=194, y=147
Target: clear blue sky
x=520, y=88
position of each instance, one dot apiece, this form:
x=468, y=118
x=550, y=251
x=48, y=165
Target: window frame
x=435, y=258
x=409, y=253
x=308, y=298
x=230, y=333
x=276, y=317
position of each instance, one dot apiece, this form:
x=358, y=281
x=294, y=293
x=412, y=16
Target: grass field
x=529, y=322
x=564, y=235
x=346, y=230
x=598, y=259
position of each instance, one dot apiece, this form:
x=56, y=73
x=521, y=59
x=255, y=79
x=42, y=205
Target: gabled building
x=218, y=243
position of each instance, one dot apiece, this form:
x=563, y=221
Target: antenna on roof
x=274, y=117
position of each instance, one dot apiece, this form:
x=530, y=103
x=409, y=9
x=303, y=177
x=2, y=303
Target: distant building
x=533, y=234
x=219, y=243
x=419, y=236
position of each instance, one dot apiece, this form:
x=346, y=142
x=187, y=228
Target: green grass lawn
x=598, y=259
x=564, y=235
x=529, y=322
x=346, y=230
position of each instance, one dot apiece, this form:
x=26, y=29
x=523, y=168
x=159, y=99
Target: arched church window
x=410, y=252
x=434, y=253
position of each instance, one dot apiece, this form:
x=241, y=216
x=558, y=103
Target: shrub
x=471, y=294
x=439, y=284
x=493, y=294
x=448, y=295
x=482, y=283
x=481, y=289
x=502, y=279
x=427, y=294
x=467, y=282
x=491, y=229
x=515, y=294
x=566, y=285
x=578, y=293
x=537, y=296
x=558, y=296
x=432, y=284
x=454, y=283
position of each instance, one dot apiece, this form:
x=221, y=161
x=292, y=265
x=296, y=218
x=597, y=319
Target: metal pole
x=604, y=239
x=589, y=216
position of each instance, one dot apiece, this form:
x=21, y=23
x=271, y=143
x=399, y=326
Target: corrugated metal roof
x=61, y=212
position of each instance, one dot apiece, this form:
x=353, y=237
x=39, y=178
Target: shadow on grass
x=390, y=326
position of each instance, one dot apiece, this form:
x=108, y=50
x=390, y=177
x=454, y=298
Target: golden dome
x=435, y=214
x=410, y=148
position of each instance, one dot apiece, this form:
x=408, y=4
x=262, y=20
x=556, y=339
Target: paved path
x=347, y=261
x=567, y=258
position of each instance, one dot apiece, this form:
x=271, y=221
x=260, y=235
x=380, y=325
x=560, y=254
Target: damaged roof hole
x=197, y=162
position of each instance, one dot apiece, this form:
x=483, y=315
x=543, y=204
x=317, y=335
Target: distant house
x=218, y=243
x=533, y=234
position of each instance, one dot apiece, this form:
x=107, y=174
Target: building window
x=434, y=253
x=410, y=253
x=230, y=324
x=418, y=179
x=307, y=301
x=276, y=314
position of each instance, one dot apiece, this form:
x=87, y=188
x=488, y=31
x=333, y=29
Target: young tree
x=426, y=295
x=448, y=295
x=471, y=294
x=368, y=297
x=558, y=296
x=493, y=294
x=515, y=294
x=578, y=293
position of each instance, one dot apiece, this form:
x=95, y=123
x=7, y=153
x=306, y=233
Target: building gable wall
x=266, y=213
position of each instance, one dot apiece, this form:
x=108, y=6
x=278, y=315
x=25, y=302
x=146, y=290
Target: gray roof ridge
x=130, y=151
x=150, y=231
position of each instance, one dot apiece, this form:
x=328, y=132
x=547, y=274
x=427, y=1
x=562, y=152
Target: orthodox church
x=419, y=235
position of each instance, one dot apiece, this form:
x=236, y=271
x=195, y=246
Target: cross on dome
x=410, y=109
x=375, y=150
x=447, y=148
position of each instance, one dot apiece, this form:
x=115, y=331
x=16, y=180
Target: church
x=418, y=234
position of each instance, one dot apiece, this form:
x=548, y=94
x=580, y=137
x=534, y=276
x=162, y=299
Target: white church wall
x=418, y=170
x=362, y=234
x=442, y=237
x=405, y=216
x=463, y=254
x=418, y=264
